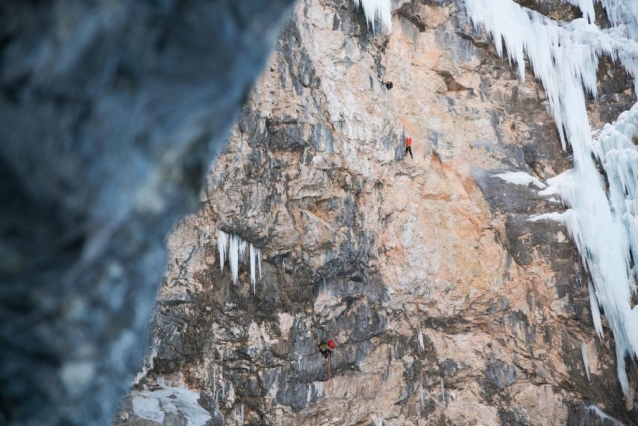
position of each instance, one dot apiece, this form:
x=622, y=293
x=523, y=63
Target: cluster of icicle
x=374, y=9
x=233, y=247
x=604, y=226
x=238, y=414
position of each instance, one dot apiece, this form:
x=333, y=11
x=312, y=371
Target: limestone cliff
x=447, y=304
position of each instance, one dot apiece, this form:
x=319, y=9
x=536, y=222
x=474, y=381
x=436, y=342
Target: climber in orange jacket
x=408, y=146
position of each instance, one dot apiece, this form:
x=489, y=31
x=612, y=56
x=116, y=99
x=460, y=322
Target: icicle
x=233, y=257
x=377, y=8
x=421, y=345
x=242, y=249
x=622, y=372
x=214, y=378
x=595, y=311
x=238, y=414
x=421, y=394
x=583, y=349
x=258, y=250
x=222, y=244
x=442, y=390
x=252, y=266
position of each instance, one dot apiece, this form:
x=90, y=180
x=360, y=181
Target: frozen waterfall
x=564, y=57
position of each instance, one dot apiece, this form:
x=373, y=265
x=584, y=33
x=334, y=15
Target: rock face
x=109, y=115
x=447, y=304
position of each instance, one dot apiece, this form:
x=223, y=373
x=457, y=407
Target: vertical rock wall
x=447, y=305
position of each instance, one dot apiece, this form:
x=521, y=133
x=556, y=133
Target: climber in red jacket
x=408, y=146
x=326, y=348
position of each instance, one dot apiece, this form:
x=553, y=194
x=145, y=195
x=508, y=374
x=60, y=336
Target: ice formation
x=521, y=178
x=222, y=243
x=234, y=247
x=583, y=350
x=238, y=414
x=595, y=311
x=223, y=386
x=602, y=415
x=374, y=9
x=214, y=378
x=564, y=57
x=442, y=390
x=233, y=256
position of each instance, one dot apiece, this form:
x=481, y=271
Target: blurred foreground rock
x=110, y=113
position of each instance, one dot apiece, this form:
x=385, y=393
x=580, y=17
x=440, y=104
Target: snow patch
x=148, y=365
x=521, y=178
x=148, y=408
x=152, y=405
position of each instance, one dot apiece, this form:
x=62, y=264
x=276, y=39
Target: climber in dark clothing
x=408, y=147
x=388, y=84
